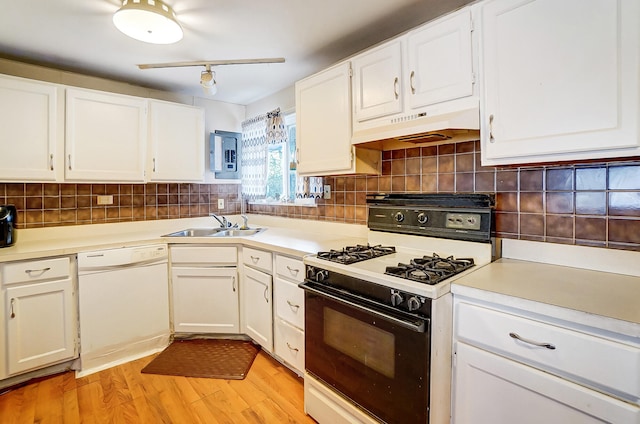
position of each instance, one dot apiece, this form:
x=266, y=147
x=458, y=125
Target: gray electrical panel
x=224, y=154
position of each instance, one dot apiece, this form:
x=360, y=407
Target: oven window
x=371, y=346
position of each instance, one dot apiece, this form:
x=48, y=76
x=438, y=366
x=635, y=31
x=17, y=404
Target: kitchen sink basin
x=235, y=232
x=215, y=232
x=195, y=232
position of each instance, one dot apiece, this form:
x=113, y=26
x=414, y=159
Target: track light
x=208, y=81
x=150, y=21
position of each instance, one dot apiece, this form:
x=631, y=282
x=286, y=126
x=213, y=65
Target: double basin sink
x=215, y=232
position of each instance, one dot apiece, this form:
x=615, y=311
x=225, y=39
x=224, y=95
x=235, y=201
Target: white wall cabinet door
x=440, y=61
x=376, y=82
x=257, y=300
x=560, y=80
x=323, y=121
x=492, y=389
x=30, y=123
x=205, y=300
x=176, y=148
x=41, y=324
x=106, y=137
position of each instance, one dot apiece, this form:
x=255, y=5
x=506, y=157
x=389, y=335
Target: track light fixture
x=208, y=81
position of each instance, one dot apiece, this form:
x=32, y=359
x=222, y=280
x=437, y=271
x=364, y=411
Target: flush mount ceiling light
x=208, y=81
x=150, y=21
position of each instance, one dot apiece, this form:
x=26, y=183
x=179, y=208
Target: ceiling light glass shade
x=208, y=83
x=150, y=21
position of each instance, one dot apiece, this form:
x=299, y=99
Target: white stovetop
x=408, y=247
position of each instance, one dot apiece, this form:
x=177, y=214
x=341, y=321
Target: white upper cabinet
x=176, y=147
x=560, y=80
x=31, y=121
x=106, y=137
x=376, y=82
x=440, y=66
x=323, y=126
x=419, y=82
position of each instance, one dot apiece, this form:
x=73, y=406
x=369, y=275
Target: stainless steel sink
x=195, y=232
x=215, y=232
x=234, y=232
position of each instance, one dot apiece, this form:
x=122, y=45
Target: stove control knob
x=396, y=298
x=321, y=275
x=413, y=303
x=399, y=217
x=422, y=218
x=311, y=272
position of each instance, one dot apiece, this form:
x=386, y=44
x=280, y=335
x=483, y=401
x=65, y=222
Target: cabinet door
x=177, y=142
x=492, y=389
x=376, y=82
x=258, y=312
x=205, y=300
x=440, y=61
x=106, y=137
x=560, y=80
x=323, y=121
x=40, y=324
x=29, y=125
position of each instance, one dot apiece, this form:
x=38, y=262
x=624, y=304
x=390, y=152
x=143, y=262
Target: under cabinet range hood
x=423, y=128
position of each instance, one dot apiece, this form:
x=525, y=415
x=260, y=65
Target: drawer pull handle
x=36, y=271
x=293, y=271
x=233, y=283
x=395, y=88
x=266, y=291
x=293, y=306
x=531, y=342
x=255, y=259
x=411, y=77
x=13, y=312
x=295, y=349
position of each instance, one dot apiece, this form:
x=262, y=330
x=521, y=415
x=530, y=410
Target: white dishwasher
x=123, y=305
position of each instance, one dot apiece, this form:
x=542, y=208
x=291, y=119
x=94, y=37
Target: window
x=281, y=166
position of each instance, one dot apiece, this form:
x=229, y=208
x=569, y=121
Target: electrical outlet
x=105, y=200
x=220, y=203
x=327, y=191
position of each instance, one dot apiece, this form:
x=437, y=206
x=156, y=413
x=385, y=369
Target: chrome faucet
x=224, y=223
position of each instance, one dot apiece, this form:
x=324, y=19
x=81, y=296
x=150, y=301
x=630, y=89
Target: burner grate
x=430, y=269
x=357, y=253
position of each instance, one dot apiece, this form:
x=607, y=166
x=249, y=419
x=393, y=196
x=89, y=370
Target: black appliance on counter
x=8, y=217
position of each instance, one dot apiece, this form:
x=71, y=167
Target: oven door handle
x=417, y=327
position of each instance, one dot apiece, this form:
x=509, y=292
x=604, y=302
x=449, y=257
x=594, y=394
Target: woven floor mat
x=225, y=359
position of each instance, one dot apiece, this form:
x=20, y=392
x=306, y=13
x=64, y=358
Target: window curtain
x=309, y=188
x=254, y=157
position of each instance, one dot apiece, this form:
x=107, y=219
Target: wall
x=593, y=204
x=50, y=205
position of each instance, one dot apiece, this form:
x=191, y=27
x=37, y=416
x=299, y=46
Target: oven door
x=377, y=358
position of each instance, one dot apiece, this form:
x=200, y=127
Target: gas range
x=417, y=244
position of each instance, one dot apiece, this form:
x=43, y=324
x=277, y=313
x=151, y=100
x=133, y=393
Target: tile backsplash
x=595, y=203
x=48, y=205
x=591, y=203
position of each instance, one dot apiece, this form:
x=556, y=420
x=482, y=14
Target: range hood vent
x=431, y=126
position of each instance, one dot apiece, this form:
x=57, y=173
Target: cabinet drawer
x=47, y=269
x=581, y=357
x=289, y=302
x=289, y=344
x=258, y=259
x=214, y=255
x=289, y=268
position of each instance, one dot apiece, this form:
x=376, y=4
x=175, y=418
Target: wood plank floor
x=270, y=393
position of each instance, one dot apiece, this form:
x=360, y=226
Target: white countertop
x=566, y=290
x=293, y=237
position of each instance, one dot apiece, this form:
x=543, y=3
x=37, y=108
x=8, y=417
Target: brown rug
x=225, y=359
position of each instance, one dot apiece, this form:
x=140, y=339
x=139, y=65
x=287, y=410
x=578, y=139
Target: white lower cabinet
x=289, y=312
x=518, y=366
x=41, y=314
x=258, y=310
x=205, y=289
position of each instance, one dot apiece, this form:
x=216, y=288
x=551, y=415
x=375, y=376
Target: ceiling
x=79, y=36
